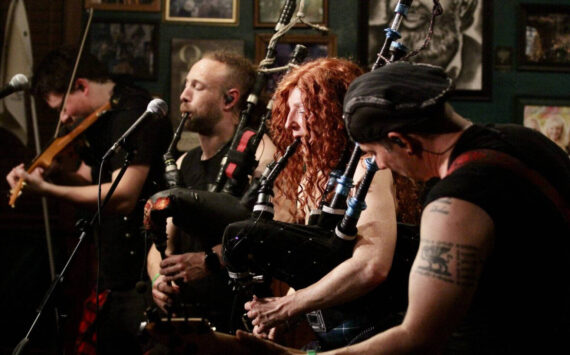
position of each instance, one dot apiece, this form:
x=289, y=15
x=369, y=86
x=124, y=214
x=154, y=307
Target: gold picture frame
x=206, y=12
x=124, y=5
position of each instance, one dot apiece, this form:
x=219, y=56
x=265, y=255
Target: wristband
x=311, y=352
x=154, y=278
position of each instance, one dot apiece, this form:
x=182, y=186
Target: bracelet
x=311, y=352
x=154, y=278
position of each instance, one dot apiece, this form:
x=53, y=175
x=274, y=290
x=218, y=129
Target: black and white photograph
x=206, y=11
x=126, y=48
x=457, y=43
x=267, y=12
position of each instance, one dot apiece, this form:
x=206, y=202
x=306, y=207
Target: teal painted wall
x=346, y=20
x=511, y=83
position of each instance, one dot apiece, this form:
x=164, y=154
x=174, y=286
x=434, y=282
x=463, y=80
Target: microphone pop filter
x=19, y=82
x=157, y=106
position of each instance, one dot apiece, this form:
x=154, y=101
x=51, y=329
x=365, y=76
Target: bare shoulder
x=264, y=154
x=456, y=215
x=382, y=186
x=180, y=159
x=378, y=220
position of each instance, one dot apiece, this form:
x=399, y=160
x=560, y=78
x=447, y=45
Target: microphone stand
x=85, y=228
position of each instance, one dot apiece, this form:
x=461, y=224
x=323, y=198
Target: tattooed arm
x=456, y=238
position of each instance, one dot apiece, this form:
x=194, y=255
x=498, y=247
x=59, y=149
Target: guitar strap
x=497, y=158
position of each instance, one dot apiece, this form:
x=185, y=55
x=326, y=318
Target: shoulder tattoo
x=453, y=263
x=440, y=206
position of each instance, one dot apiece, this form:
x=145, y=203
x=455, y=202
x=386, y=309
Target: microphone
x=18, y=82
x=155, y=107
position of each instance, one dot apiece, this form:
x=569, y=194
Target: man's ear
x=407, y=143
x=82, y=84
x=231, y=98
x=397, y=139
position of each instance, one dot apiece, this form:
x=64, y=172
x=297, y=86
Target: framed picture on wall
x=214, y=12
x=124, y=5
x=551, y=116
x=461, y=41
x=126, y=48
x=544, y=37
x=184, y=53
x=317, y=45
x=267, y=12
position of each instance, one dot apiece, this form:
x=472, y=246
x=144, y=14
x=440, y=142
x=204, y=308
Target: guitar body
x=45, y=159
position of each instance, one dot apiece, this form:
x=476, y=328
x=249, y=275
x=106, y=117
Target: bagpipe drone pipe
x=238, y=164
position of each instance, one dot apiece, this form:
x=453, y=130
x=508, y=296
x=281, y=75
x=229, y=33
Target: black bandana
x=395, y=97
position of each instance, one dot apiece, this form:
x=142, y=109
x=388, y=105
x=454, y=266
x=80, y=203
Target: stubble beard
x=204, y=123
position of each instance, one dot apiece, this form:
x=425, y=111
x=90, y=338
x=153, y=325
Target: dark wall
x=347, y=20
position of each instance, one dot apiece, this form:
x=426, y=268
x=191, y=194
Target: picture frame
x=124, y=5
x=471, y=67
x=207, y=12
x=543, y=34
x=126, y=48
x=317, y=45
x=184, y=53
x=503, y=58
x=266, y=12
x=548, y=115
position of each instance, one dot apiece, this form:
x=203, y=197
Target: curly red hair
x=323, y=83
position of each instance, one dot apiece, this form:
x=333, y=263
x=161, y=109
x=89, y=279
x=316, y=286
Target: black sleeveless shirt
x=523, y=299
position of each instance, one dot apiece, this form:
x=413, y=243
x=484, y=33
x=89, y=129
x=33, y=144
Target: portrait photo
x=457, y=43
x=184, y=53
x=544, y=37
x=206, y=11
x=126, y=48
x=551, y=117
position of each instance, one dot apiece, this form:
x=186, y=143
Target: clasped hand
x=267, y=314
x=176, y=269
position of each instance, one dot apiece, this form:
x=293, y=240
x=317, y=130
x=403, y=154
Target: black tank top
x=522, y=300
x=197, y=173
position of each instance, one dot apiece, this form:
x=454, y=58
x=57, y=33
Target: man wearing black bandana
x=490, y=276
x=123, y=248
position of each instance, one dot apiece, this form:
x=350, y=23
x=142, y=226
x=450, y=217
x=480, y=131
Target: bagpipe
x=238, y=164
x=207, y=213
x=300, y=255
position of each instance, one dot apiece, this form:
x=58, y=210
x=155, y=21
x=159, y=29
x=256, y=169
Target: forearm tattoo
x=454, y=263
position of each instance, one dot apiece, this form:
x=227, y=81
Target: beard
x=203, y=123
x=444, y=43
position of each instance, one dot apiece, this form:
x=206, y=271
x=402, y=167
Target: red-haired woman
x=308, y=105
